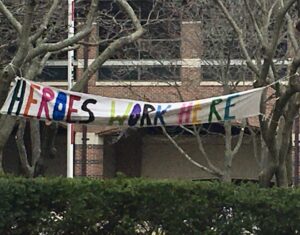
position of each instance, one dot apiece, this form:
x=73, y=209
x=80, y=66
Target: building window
x=223, y=74
x=118, y=73
x=52, y=73
x=139, y=73
x=161, y=42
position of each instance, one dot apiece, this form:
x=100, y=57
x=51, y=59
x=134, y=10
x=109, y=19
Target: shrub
x=138, y=206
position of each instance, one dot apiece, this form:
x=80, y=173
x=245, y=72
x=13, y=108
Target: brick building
x=100, y=152
x=172, y=62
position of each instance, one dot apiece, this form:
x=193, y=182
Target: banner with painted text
x=35, y=100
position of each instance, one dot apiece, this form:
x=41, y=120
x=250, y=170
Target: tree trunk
x=48, y=149
x=228, y=155
x=268, y=170
x=289, y=164
x=279, y=166
x=7, y=124
x=5, y=81
x=1, y=165
x=35, y=144
x=281, y=176
x=48, y=143
x=227, y=174
x=28, y=172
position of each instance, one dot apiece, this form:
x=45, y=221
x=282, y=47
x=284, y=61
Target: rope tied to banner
x=281, y=79
x=264, y=116
x=14, y=68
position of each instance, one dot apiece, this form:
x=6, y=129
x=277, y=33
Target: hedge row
x=136, y=206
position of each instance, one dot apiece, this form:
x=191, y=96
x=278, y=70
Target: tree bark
x=228, y=156
x=7, y=124
x=276, y=137
x=281, y=176
x=226, y=177
x=35, y=144
x=289, y=164
x=48, y=149
x=266, y=175
x=27, y=169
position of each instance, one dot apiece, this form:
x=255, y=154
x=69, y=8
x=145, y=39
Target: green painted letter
x=213, y=110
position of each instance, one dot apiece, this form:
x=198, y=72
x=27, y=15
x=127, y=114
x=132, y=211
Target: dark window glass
x=54, y=73
x=128, y=52
x=281, y=49
x=164, y=29
x=160, y=73
x=159, y=49
x=161, y=41
x=118, y=73
x=225, y=74
x=139, y=73
x=282, y=69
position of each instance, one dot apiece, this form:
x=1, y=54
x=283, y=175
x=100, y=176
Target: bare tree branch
x=269, y=14
x=108, y=52
x=51, y=47
x=202, y=150
x=290, y=30
x=238, y=31
x=188, y=130
x=271, y=49
x=257, y=29
x=273, y=124
x=10, y=71
x=45, y=23
x=240, y=138
x=187, y=156
x=291, y=33
x=9, y=16
x=36, y=66
x=255, y=147
x=24, y=37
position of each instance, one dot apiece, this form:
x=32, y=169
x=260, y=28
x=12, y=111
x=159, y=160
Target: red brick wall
x=189, y=89
x=93, y=165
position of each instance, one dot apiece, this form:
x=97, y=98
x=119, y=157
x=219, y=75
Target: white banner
x=35, y=100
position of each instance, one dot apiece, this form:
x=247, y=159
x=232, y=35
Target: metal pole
x=70, y=146
x=84, y=127
x=296, y=160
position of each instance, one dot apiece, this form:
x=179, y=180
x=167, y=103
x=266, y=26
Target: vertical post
x=296, y=159
x=84, y=127
x=70, y=146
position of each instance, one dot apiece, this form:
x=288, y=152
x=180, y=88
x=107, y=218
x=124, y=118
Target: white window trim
x=190, y=63
x=193, y=63
x=92, y=138
x=48, y=83
x=137, y=83
x=59, y=63
x=192, y=22
x=185, y=63
x=80, y=63
x=165, y=84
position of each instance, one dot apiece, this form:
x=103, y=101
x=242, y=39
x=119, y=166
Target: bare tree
x=273, y=23
x=162, y=45
x=33, y=35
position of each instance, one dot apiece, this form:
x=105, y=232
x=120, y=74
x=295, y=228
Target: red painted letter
x=185, y=113
x=30, y=100
x=70, y=109
x=48, y=95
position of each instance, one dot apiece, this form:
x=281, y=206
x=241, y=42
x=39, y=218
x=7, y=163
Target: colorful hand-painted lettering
x=30, y=99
